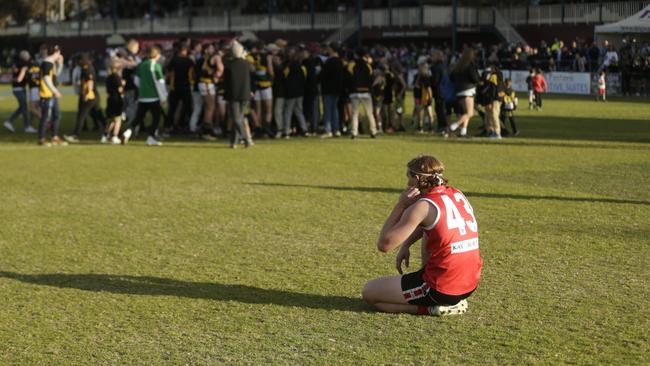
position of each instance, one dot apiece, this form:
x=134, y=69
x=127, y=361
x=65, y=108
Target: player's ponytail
x=428, y=170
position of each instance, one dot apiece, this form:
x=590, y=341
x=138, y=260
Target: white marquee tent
x=637, y=25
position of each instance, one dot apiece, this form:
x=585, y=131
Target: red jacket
x=539, y=83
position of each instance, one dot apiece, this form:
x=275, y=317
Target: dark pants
x=441, y=114
x=84, y=108
x=156, y=111
x=176, y=96
x=538, y=99
x=236, y=110
x=50, y=112
x=331, y=113
x=21, y=96
x=311, y=106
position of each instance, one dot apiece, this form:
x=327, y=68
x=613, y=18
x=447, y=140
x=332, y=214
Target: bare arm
x=269, y=65
x=50, y=85
x=403, y=220
x=91, y=87
x=21, y=74
x=219, y=69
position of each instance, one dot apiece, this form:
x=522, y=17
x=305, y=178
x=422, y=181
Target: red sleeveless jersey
x=454, y=265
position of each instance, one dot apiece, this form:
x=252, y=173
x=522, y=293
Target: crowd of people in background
x=252, y=90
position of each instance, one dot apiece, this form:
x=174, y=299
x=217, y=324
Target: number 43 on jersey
x=454, y=219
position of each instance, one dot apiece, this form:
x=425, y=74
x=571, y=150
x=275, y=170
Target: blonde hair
x=115, y=66
x=428, y=170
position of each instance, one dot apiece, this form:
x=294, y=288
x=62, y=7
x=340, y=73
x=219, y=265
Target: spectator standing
x=197, y=99
x=509, y=106
x=399, y=91
x=361, y=81
x=539, y=86
x=211, y=70
x=114, y=104
x=493, y=102
x=465, y=78
x=602, y=93
x=331, y=82
x=237, y=83
x=49, y=96
x=387, y=102
x=33, y=82
x=531, y=91
x=88, y=98
x=278, y=92
x=180, y=73
x=262, y=60
x=131, y=61
x=611, y=58
x=438, y=73
x=150, y=82
x=311, y=103
x=422, y=97
x=19, y=85
x=295, y=77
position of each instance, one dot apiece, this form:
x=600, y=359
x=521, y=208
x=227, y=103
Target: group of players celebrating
x=281, y=93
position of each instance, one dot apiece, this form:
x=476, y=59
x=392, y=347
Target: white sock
x=463, y=131
x=453, y=126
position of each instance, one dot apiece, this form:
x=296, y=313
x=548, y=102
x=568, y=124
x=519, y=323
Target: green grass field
x=193, y=253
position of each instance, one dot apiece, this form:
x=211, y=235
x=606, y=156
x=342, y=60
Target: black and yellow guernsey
x=87, y=75
x=207, y=71
x=34, y=75
x=263, y=77
x=47, y=89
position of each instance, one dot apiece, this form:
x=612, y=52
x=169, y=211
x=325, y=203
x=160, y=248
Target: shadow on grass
x=156, y=286
x=469, y=194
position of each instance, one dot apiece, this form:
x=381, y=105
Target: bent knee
x=367, y=294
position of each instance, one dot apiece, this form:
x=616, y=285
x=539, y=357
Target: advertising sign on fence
x=558, y=82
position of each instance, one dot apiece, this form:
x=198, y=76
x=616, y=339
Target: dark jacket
x=237, y=80
x=465, y=78
x=437, y=71
x=295, y=77
x=361, y=76
x=331, y=81
x=314, y=66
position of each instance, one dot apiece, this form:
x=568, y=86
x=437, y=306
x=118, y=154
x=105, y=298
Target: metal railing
x=430, y=16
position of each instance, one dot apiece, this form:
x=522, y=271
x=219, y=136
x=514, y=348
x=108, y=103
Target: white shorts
x=207, y=89
x=531, y=94
x=263, y=94
x=360, y=96
x=220, y=99
x=33, y=95
x=467, y=93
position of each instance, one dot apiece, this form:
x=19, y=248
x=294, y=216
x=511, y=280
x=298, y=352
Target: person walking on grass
x=114, y=104
x=441, y=217
x=531, y=91
x=465, y=78
x=602, y=92
x=510, y=102
x=88, y=99
x=49, y=97
x=20, y=88
x=237, y=84
x=150, y=81
x=34, y=82
x=539, y=86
